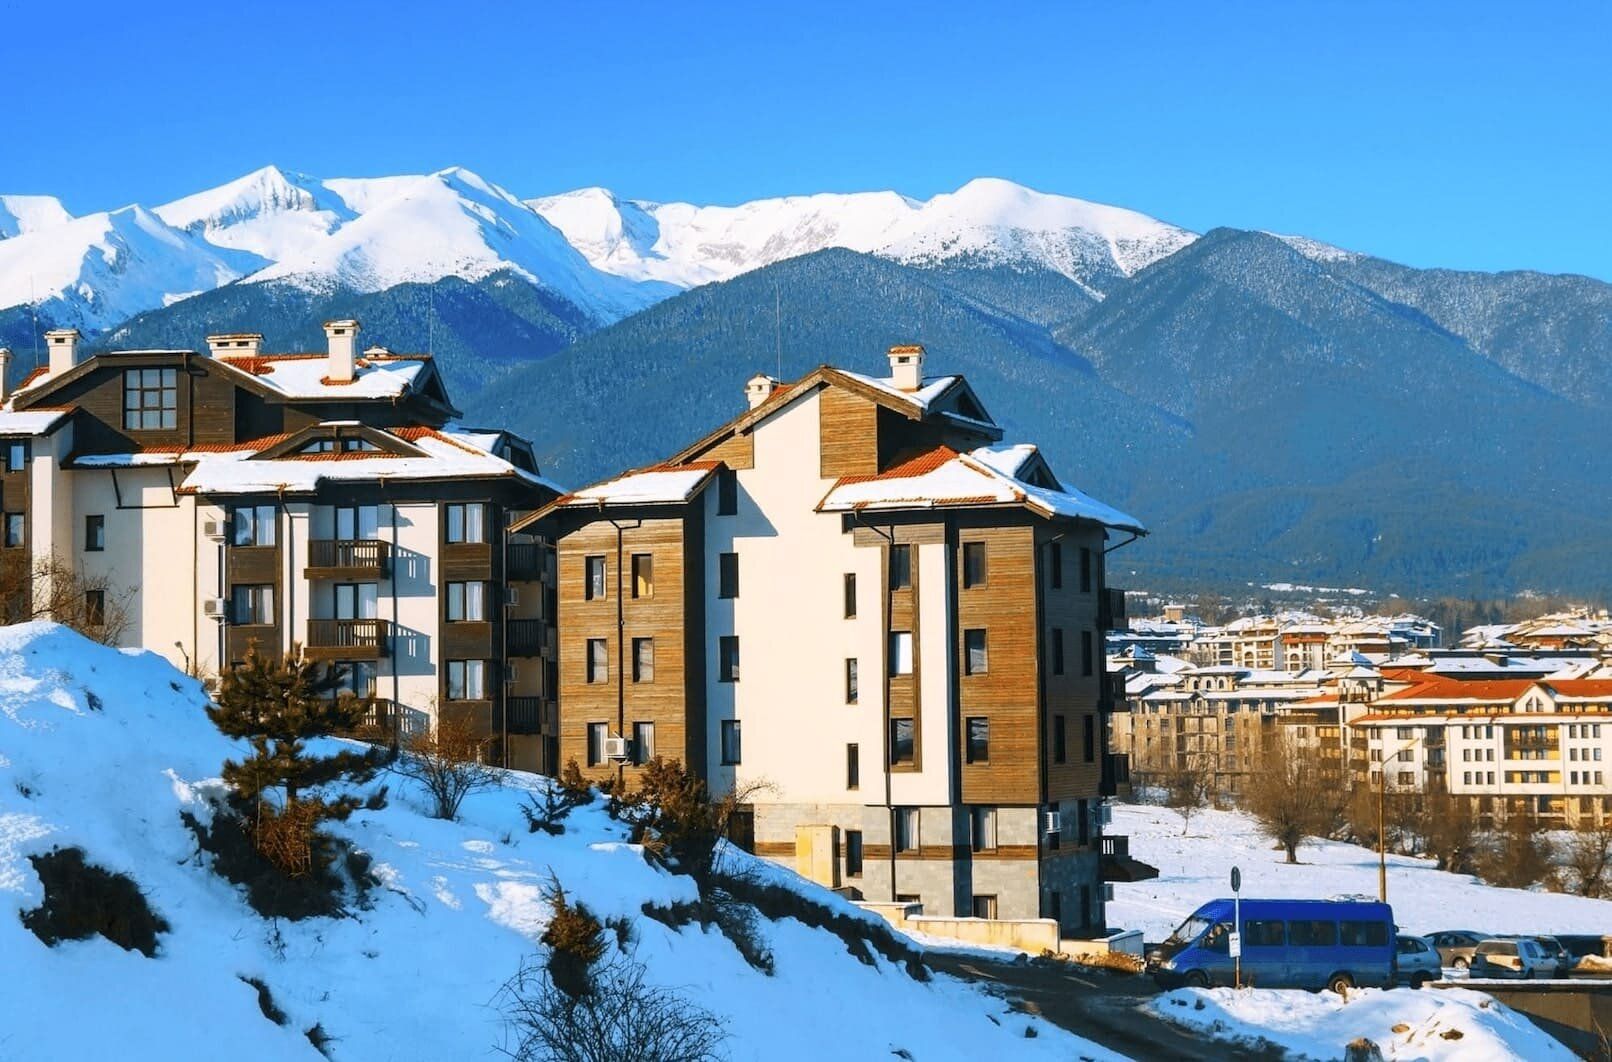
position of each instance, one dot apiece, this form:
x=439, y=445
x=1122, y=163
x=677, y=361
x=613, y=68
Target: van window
x=1189, y=930
x=1218, y=938
x=1363, y=934
x=1265, y=934
x=1312, y=934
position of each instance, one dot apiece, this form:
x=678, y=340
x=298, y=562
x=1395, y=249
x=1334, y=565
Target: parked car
x=1521, y=957
x=1559, y=954
x=1313, y=944
x=1416, y=961
x=1455, y=946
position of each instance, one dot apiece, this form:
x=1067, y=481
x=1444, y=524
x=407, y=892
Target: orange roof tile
x=33, y=375
x=1443, y=688
x=1571, y=688
x=917, y=463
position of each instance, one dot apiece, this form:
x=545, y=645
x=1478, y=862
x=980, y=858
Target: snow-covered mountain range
x=606, y=255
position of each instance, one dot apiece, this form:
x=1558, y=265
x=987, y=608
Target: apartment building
x=853, y=595
x=230, y=497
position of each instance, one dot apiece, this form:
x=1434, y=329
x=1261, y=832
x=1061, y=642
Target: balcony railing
x=1116, y=844
x=527, y=715
x=342, y=556
x=527, y=637
x=525, y=562
x=356, y=638
x=390, y=722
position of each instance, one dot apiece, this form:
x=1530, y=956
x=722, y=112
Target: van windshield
x=1190, y=930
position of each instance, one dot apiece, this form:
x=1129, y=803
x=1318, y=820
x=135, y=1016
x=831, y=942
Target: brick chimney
x=235, y=345
x=63, y=345
x=907, y=367
x=5, y=373
x=343, y=338
x=758, y=389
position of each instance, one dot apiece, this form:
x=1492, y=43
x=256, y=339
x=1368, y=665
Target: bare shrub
x=1290, y=796
x=83, y=900
x=50, y=588
x=448, y=762
x=1588, y=869
x=1517, y=856
x=1188, y=787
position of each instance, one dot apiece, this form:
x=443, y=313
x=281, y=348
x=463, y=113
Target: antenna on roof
x=778, y=327
x=33, y=313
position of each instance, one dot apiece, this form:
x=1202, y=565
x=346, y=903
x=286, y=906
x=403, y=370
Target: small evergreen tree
x=277, y=704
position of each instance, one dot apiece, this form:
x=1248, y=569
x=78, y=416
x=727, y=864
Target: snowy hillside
x=103, y=750
x=1196, y=868
x=28, y=213
x=987, y=220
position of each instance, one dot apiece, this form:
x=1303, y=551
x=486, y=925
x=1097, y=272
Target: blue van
x=1314, y=944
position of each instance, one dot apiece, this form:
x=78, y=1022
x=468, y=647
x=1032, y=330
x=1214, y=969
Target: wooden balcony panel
x=348, y=558
x=348, y=639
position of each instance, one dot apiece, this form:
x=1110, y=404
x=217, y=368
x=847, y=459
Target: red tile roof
x=1571, y=689
x=917, y=463
x=1443, y=688
x=33, y=375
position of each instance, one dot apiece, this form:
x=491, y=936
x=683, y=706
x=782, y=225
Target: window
x=597, y=732
x=730, y=742
x=467, y=602
x=727, y=663
x=982, y=829
x=94, y=534
x=850, y=680
x=1085, y=570
x=643, y=660
x=598, y=660
x=14, y=530
x=252, y=605
x=1312, y=934
x=467, y=680
x=358, y=522
x=356, y=677
x=16, y=456
x=973, y=564
x=727, y=570
x=853, y=853
x=727, y=493
x=900, y=652
x=331, y=446
x=901, y=749
x=95, y=607
x=467, y=522
x=150, y=399
x=853, y=766
x=900, y=567
x=1405, y=733
x=643, y=575
x=356, y=600
x=1086, y=662
x=979, y=739
x=850, y=595
x=984, y=907
x=1088, y=737
x=1057, y=650
x=1055, y=565
x=253, y=525
x=975, y=660
x=593, y=587
x=643, y=742
x=1264, y=934
x=906, y=839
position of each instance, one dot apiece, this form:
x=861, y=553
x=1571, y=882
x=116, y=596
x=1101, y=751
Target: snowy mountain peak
x=30, y=213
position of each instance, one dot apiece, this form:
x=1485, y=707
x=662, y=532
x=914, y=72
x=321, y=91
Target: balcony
x=1116, y=775
x=1111, y=609
x=528, y=637
x=531, y=715
x=1115, y=862
x=348, y=558
x=525, y=562
x=348, y=639
x=390, y=723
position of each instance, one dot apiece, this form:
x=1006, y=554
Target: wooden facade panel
x=736, y=451
x=1073, y=695
x=1006, y=693
x=849, y=428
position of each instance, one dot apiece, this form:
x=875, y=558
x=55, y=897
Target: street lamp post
x=1382, y=833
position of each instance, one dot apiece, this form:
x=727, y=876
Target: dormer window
x=339, y=446
x=150, y=399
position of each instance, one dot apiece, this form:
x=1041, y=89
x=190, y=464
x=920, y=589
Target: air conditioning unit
x=215, y=529
x=1102, y=814
x=616, y=748
x=216, y=608
x=1052, y=821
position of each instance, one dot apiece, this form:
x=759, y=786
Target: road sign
x=1236, y=945
x=1236, y=879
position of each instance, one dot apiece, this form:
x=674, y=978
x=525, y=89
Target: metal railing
x=525, y=715
x=1116, y=844
x=526, y=637
x=364, y=635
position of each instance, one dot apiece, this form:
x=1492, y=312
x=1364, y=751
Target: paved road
x=1099, y=1005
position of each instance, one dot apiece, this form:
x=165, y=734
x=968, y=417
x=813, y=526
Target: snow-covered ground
x=103, y=750
x=1454, y=1024
x=1196, y=868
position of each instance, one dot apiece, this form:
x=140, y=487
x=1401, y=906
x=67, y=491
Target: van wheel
x=1196, y=979
x=1340, y=983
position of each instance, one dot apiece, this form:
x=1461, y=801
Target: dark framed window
x=727, y=658
x=94, y=533
x=643, y=742
x=907, y=838
x=1055, y=565
x=727, y=575
x=975, y=659
x=643, y=660
x=1362, y=934
x=1087, y=654
x=973, y=564
x=850, y=680
x=1264, y=933
x=598, y=660
x=95, y=607
x=358, y=522
x=1060, y=747
x=1312, y=933
x=1088, y=738
x=727, y=493
x=17, y=455
x=900, y=567
x=732, y=745
x=16, y=530
x=253, y=525
x=983, y=906
x=901, y=743
x=982, y=829
x=252, y=604
x=467, y=680
x=978, y=728
x=643, y=575
x=853, y=853
x=593, y=578
x=1085, y=570
x=356, y=677
x=1057, y=650
x=467, y=602
x=150, y=399
x=853, y=766
x=597, y=732
x=850, y=595
x=467, y=522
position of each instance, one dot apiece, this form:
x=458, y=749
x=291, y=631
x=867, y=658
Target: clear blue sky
x=1474, y=134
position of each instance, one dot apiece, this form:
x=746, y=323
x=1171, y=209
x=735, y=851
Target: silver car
x=1523, y=958
x=1416, y=961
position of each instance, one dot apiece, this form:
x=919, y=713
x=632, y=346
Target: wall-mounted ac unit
x=616, y=748
x=1052, y=821
x=216, y=608
x=1101, y=814
x=215, y=529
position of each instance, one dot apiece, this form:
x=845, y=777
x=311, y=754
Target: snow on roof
x=931, y=388
x=985, y=476
x=305, y=375
x=658, y=485
x=30, y=421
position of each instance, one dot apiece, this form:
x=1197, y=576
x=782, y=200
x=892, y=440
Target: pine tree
x=277, y=704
